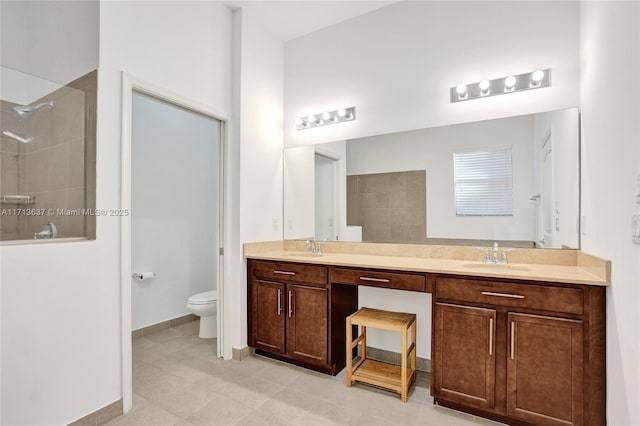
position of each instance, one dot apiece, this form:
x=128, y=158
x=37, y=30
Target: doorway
x=326, y=204
x=174, y=209
x=167, y=199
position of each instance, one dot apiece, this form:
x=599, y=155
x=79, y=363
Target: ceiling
x=291, y=19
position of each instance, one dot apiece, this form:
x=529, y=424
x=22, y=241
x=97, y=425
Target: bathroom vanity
x=520, y=343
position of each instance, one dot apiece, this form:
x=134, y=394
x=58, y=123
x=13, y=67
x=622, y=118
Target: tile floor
x=177, y=380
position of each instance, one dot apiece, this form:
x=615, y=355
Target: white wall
x=53, y=40
x=63, y=360
x=610, y=51
x=260, y=91
x=396, y=65
x=174, y=208
x=432, y=150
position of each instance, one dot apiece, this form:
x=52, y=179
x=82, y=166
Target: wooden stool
x=394, y=377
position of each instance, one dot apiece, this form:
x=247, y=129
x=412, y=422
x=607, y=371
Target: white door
x=325, y=205
x=547, y=196
x=175, y=187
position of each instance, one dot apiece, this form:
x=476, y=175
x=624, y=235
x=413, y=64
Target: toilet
x=205, y=306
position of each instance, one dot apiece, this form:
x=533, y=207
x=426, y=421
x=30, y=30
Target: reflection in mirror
x=48, y=159
x=513, y=180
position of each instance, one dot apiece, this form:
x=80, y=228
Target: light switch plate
x=635, y=228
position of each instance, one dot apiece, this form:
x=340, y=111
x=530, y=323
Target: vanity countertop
x=573, y=267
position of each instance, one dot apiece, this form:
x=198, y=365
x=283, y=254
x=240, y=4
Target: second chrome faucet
x=493, y=256
x=314, y=246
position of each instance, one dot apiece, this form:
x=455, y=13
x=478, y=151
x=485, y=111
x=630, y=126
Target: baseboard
x=163, y=325
x=101, y=416
x=240, y=354
x=422, y=364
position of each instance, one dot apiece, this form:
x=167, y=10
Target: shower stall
x=47, y=157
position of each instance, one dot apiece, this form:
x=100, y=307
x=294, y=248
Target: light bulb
x=484, y=87
x=311, y=119
x=537, y=76
x=326, y=116
x=299, y=121
x=461, y=89
x=509, y=83
x=342, y=112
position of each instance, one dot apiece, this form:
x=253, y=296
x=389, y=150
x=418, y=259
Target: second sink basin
x=506, y=267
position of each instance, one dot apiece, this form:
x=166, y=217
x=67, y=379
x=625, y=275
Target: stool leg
x=349, y=352
x=413, y=354
x=403, y=366
x=363, y=353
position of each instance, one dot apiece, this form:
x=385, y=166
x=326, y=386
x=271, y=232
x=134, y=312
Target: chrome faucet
x=50, y=231
x=495, y=257
x=314, y=246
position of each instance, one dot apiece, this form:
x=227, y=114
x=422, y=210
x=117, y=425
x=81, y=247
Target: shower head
x=27, y=110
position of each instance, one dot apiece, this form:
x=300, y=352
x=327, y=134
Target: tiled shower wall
x=390, y=207
x=11, y=168
x=57, y=166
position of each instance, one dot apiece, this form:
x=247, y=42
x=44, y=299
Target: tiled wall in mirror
x=47, y=149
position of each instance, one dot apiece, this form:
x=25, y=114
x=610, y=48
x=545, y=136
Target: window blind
x=484, y=182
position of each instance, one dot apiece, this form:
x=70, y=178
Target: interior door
x=547, y=196
x=325, y=198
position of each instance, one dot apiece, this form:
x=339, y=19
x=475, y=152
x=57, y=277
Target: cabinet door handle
x=512, y=296
x=377, y=280
x=284, y=272
x=513, y=339
x=490, y=336
x=290, y=303
x=279, y=302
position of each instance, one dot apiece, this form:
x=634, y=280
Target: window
x=483, y=182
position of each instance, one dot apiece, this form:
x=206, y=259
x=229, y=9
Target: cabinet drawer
x=402, y=281
x=557, y=299
x=296, y=272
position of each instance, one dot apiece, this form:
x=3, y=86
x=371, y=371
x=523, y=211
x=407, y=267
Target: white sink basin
x=505, y=267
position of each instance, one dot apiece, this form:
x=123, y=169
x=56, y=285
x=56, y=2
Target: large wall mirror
x=48, y=117
x=513, y=180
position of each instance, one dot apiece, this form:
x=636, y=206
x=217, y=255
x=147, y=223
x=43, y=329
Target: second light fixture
x=500, y=86
x=327, y=117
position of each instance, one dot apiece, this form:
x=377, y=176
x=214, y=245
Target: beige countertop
x=574, y=267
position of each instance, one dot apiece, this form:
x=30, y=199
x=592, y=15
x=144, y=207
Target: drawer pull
x=290, y=304
x=377, y=280
x=284, y=272
x=513, y=338
x=490, y=336
x=512, y=296
x=279, y=302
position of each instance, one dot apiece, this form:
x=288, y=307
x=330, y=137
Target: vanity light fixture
x=499, y=86
x=327, y=117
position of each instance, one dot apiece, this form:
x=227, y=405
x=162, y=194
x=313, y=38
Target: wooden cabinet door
x=544, y=370
x=307, y=323
x=268, y=316
x=464, y=355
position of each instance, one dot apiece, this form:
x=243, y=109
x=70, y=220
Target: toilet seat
x=204, y=298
